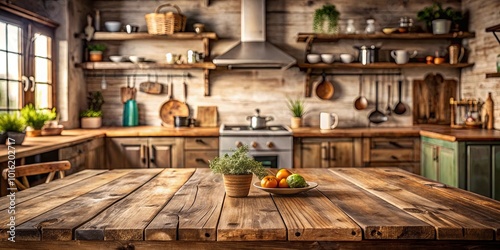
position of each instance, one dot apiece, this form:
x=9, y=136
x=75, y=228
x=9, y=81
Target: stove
x=272, y=145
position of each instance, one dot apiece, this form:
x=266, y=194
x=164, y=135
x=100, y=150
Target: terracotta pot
x=237, y=185
x=95, y=56
x=296, y=122
x=33, y=133
x=91, y=122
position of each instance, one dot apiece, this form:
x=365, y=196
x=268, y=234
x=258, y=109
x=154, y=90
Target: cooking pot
x=257, y=121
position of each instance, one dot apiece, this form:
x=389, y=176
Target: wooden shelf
x=380, y=65
x=494, y=29
x=144, y=65
x=492, y=75
x=122, y=36
x=317, y=37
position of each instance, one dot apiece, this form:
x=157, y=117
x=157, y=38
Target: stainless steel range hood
x=253, y=51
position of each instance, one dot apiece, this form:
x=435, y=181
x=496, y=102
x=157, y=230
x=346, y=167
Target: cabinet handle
x=324, y=155
x=435, y=154
x=153, y=153
x=200, y=160
x=200, y=141
x=333, y=153
x=394, y=157
x=143, y=154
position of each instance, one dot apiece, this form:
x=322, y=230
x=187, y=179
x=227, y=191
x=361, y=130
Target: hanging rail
x=188, y=75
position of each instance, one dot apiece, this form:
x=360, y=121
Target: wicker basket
x=165, y=23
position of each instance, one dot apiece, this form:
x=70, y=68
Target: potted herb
x=438, y=18
x=36, y=118
x=95, y=52
x=92, y=117
x=326, y=16
x=14, y=126
x=297, y=108
x=237, y=170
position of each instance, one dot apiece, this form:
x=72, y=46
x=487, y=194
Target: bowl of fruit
x=284, y=183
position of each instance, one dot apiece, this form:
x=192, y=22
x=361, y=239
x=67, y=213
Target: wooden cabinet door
x=341, y=154
x=496, y=172
x=127, y=153
x=165, y=152
x=428, y=161
x=479, y=169
x=311, y=154
x=447, y=166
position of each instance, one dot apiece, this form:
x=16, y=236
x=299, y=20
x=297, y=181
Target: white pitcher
x=328, y=120
x=402, y=56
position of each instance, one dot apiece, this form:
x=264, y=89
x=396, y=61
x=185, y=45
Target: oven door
x=270, y=159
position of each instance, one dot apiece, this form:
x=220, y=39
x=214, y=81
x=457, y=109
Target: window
x=26, y=63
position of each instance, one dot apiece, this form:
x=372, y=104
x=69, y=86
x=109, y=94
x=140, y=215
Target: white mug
x=402, y=56
x=328, y=120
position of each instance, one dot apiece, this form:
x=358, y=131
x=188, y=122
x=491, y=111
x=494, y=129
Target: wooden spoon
x=325, y=89
x=361, y=102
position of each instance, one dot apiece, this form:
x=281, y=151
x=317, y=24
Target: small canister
x=191, y=56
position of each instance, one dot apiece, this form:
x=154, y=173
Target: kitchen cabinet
x=311, y=38
x=470, y=165
x=205, y=37
x=144, y=152
x=199, y=150
x=401, y=152
x=327, y=152
x=86, y=155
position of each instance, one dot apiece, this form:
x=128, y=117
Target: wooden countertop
x=355, y=132
x=186, y=208
x=151, y=131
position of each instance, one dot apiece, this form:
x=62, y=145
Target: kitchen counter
x=165, y=208
x=356, y=132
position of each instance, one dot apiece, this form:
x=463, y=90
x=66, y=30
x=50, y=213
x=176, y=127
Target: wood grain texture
x=207, y=116
x=253, y=218
x=192, y=213
x=448, y=223
x=312, y=222
x=146, y=36
x=127, y=219
x=431, y=99
x=363, y=208
x=41, y=204
x=33, y=192
x=60, y=223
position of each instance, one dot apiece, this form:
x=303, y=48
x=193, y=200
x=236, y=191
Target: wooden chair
x=24, y=171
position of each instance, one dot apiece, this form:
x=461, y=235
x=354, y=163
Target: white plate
x=286, y=191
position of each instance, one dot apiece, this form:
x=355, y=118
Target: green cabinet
x=470, y=165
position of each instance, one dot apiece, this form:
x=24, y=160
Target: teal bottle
x=130, y=114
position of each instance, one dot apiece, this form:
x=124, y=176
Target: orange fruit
x=283, y=174
x=283, y=183
x=269, y=182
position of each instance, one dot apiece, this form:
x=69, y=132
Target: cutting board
x=151, y=88
x=431, y=99
x=207, y=116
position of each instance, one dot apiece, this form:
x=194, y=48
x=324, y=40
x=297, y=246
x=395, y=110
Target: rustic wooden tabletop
x=187, y=208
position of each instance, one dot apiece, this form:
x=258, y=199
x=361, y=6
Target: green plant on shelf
x=96, y=47
x=328, y=13
x=436, y=11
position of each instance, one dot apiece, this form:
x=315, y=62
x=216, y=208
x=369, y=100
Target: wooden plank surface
x=251, y=218
x=382, y=65
x=302, y=37
x=377, y=218
x=39, y=190
x=145, y=35
x=312, y=216
x=448, y=223
x=207, y=116
x=127, y=219
x=192, y=213
x=469, y=204
x=41, y=204
x=59, y=223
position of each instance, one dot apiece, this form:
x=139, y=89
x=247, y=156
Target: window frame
x=29, y=27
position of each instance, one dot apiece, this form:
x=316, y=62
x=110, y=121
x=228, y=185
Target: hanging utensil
x=124, y=92
x=361, y=102
x=388, y=110
x=104, y=84
x=325, y=89
x=150, y=87
x=376, y=116
x=172, y=108
x=400, y=107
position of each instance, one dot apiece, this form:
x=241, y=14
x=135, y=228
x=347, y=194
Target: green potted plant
x=439, y=19
x=95, y=52
x=237, y=170
x=326, y=16
x=297, y=108
x=14, y=126
x=92, y=116
x=36, y=118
